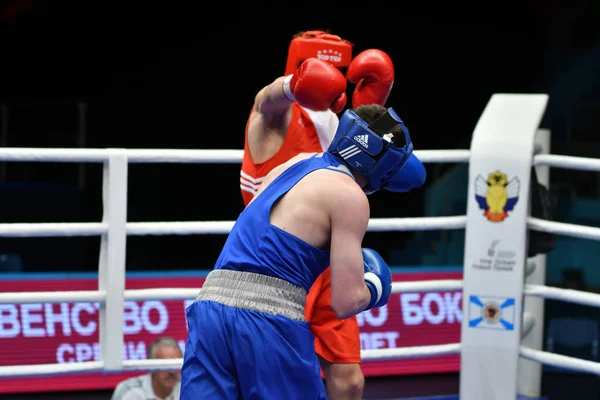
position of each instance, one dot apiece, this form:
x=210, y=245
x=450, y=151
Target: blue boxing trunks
x=248, y=340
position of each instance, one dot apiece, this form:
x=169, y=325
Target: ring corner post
x=496, y=244
x=111, y=268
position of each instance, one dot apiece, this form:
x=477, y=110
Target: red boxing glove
x=373, y=73
x=316, y=85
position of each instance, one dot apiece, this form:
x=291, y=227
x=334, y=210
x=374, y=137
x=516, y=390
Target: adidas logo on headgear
x=362, y=139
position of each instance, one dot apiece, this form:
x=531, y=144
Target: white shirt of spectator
x=140, y=388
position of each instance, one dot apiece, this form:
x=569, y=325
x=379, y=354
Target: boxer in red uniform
x=296, y=113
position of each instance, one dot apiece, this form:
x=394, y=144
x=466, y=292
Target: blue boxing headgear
x=368, y=149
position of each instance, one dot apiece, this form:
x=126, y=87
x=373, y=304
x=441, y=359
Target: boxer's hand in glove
x=378, y=278
x=316, y=85
x=373, y=73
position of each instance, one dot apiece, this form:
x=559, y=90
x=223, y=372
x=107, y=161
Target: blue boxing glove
x=378, y=278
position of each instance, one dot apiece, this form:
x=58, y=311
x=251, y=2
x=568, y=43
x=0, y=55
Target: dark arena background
x=165, y=75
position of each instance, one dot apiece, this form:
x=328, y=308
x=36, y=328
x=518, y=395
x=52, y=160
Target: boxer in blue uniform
x=247, y=335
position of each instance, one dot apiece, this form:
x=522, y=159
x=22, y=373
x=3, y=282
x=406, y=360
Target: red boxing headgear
x=321, y=45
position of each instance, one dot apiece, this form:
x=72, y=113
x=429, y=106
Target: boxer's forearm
x=352, y=302
x=271, y=98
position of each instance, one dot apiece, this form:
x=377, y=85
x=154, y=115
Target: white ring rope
x=557, y=360
x=566, y=295
x=51, y=369
x=567, y=162
x=147, y=156
x=400, y=353
x=166, y=294
x=377, y=354
x=176, y=363
x=561, y=228
x=13, y=154
x=442, y=285
x=53, y=229
x=74, y=296
x=59, y=229
x=416, y=224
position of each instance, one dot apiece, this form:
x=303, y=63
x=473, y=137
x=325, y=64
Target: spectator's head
x=163, y=382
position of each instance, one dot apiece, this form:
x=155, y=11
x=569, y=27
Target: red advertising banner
x=413, y=319
x=68, y=332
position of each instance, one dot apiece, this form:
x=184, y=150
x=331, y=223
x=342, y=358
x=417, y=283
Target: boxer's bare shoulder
x=278, y=170
x=318, y=200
